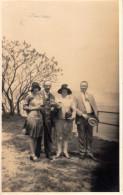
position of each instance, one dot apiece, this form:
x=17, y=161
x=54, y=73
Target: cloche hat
x=35, y=85
x=64, y=86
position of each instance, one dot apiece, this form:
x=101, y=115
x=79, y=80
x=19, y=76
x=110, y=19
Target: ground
x=19, y=174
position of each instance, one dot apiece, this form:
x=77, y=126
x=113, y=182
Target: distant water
x=110, y=108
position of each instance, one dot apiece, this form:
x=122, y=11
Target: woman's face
x=35, y=90
x=64, y=92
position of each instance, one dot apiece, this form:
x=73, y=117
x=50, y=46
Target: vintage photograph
x=60, y=96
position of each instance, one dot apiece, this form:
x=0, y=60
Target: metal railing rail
x=117, y=125
x=108, y=112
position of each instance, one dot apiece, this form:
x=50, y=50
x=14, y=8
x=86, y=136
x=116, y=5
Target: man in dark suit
x=85, y=108
x=48, y=120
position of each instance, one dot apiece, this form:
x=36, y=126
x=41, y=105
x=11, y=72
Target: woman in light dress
x=34, y=124
x=64, y=120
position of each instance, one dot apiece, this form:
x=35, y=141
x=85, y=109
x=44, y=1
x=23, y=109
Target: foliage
x=22, y=65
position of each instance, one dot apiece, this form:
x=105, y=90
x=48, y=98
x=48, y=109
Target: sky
x=81, y=35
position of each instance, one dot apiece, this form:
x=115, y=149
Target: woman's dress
x=64, y=126
x=34, y=123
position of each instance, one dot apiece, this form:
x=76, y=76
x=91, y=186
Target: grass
x=19, y=174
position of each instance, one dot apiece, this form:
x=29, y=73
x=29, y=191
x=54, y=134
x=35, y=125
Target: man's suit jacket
x=48, y=115
x=80, y=107
x=51, y=97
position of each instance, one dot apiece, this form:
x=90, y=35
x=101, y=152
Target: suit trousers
x=85, y=136
x=47, y=136
x=38, y=146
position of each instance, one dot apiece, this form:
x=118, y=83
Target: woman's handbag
x=68, y=115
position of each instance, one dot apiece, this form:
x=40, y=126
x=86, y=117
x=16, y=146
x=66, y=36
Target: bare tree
x=22, y=65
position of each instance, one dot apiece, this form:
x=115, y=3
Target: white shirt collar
x=86, y=93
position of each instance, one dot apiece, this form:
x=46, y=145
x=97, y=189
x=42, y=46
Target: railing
x=105, y=123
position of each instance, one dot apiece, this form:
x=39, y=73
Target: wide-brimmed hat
x=92, y=122
x=64, y=86
x=35, y=85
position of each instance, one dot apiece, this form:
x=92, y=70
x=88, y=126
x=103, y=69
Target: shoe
x=24, y=131
x=82, y=156
x=57, y=156
x=49, y=157
x=33, y=158
x=67, y=155
x=90, y=155
x=37, y=155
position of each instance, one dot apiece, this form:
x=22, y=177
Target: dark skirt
x=34, y=127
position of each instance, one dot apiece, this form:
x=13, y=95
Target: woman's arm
x=73, y=108
x=27, y=105
x=32, y=108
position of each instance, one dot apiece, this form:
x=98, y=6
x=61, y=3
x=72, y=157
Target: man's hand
x=85, y=116
x=52, y=108
x=54, y=104
x=59, y=105
x=71, y=118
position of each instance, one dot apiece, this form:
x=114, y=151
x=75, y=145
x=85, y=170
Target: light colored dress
x=34, y=123
x=64, y=126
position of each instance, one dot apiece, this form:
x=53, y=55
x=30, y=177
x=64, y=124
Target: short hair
x=47, y=83
x=84, y=82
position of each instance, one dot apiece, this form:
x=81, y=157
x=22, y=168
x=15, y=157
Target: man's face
x=47, y=88
x=83, y=87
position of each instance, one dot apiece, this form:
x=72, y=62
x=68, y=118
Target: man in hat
x=48, y=119
x=86, y=116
